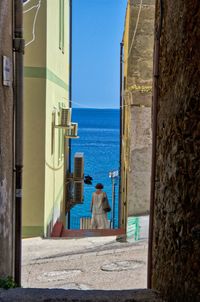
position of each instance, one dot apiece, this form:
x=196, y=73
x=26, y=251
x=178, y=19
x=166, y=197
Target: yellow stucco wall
x=34, y=156
x=46, y=87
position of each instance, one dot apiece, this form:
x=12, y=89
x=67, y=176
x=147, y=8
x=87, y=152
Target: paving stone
x=118, y=266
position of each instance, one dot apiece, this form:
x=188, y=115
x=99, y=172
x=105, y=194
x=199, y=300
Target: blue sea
x=99, y=141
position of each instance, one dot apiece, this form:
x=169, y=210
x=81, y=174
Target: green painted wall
x=46, y=75
x=34, y=123
x=56, y=93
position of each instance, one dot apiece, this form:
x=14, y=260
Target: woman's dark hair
x=99, y=186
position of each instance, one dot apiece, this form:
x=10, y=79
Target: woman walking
x=99, y=216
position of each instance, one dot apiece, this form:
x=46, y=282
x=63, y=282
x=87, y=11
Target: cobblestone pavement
x=87, y=263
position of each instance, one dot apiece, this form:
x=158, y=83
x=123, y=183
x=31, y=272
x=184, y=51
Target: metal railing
x=83, y=223
x=133, y=229
x=80, y=222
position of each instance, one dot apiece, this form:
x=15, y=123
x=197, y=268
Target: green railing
x=133, y=228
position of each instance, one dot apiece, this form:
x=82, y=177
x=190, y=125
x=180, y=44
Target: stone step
x=59, y=231
x=92, y=233
x=43, y=295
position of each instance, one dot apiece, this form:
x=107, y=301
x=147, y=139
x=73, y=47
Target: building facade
x=136, y=109
x=46, y=92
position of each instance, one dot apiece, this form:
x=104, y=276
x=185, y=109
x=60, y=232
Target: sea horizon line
x=97, y=108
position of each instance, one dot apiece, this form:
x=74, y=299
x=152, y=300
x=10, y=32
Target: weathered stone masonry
x=176, y=240
x=136, y=146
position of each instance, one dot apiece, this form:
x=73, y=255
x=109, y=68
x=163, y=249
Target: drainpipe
x=154, y=142
x=120, y=138
x=18, y=48
x=70, y=92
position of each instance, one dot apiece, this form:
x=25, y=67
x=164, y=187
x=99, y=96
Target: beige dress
x=99, y=216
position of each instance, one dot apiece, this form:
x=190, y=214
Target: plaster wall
x=33, y=175
x=57, y=95
x=60, y=65
x=46, y=91
x=34, y=121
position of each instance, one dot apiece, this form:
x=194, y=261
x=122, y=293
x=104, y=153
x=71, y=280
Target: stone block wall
x=141, y=56
x=138, y=73
x=176, y=238
x=140, y=161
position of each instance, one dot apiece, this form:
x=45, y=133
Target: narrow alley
x=99, y=151
x=98, y=263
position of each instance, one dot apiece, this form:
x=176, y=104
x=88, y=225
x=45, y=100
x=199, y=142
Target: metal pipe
x=120, y=138
x=113, y=201
x=18, y=95
x=18, y=47
x=154, y=142
x=70, y=93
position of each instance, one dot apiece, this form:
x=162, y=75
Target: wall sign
x=7, y=71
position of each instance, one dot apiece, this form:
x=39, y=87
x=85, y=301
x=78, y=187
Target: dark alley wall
x=6, y=146
x=176, y=238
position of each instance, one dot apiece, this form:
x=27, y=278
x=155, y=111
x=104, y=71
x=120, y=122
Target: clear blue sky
x=97, y=32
